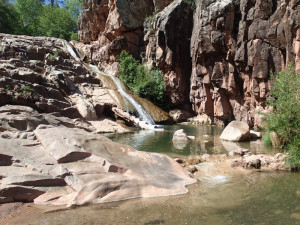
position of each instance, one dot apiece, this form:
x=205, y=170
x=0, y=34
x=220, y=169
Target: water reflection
x=207, y=141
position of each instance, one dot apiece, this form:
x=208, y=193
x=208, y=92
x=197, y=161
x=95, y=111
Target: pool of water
x=207, y=141
x=245, y=199
x=223, y=195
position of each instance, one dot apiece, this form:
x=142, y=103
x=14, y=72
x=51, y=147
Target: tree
x=284, y=119
x=29, y=12
x=57, y=22
x=75, y=7
x=8, y=17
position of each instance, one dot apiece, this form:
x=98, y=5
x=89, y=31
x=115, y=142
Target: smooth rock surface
x=70, y=166
x=236, y=131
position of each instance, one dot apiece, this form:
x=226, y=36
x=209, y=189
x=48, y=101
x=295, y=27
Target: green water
x=207, y=141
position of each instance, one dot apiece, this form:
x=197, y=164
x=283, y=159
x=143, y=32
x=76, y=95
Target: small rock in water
x=180, y=135
x=241, y=152
x=192, y=168
x=193, y=161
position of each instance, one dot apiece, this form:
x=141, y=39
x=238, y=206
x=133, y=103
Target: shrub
x=284, y=119
x=145, y=82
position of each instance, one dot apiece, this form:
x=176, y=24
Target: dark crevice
x=274, y=7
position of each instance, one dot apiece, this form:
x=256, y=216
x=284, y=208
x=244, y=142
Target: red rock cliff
x=217, y=61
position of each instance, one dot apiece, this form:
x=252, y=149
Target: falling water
x=144, y=116
x=69, y=48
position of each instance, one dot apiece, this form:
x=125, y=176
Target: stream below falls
x=246, y=198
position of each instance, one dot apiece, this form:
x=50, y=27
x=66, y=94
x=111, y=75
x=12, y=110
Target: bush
x=284, y=119
x=145, y=82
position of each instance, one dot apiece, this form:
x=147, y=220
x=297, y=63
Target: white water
x=69, y=48
x=144, y=116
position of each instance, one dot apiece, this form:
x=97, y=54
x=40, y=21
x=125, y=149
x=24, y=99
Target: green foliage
x=75, y=7
x=191, y=4
x=147, y=83
x=29, y=12
x=57, y=22
x=35, y=18
x=267, y=138
x=52, y=57
x=8, y=17
x=8, y=87
x=74, y=36
x=284, y=119
x=28, y=89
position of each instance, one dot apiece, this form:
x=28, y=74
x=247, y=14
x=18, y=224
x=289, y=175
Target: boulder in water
x=180, y=135
x=236, y=131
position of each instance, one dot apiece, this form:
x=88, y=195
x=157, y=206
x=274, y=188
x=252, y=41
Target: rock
x=181, y=136
x=201, y=119
x=262, y=161
x=167, y=42
x=191, y=169
x=71, y=166
x=61, y=145
x=205, y=158
x=236, y=131
x=255, y=135
x=180, y=161
x=234, y=45
x=240, y=152
x=179, y=115
x=275, y=139
x=193, y=160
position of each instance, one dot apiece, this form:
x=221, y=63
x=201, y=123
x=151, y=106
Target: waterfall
x=144, y=116
x=73, y=53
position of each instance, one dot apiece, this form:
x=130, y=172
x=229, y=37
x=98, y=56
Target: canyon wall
x=216, y=55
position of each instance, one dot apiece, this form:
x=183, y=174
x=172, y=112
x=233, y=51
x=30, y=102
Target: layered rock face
x=167, y=42
x=109, y=26
x=235, y=45
x=41, y=73
x=222, y=68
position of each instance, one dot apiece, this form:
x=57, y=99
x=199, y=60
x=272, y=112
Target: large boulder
x=236, y=131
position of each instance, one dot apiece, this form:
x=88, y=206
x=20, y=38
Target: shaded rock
x=236, y=131
x=18, y=194
x=167, y=47
x=179, y=115
x=255, y=135
x=5, y=160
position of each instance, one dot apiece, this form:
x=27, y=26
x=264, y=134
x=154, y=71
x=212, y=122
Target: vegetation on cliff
x=284, y=119
x=37, y=18
x=146, y=82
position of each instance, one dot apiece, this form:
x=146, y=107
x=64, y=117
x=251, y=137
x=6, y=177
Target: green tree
x=29, y=12
x=284, y=119
x=8, y=17
x=57, y=22
x=75, y=7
